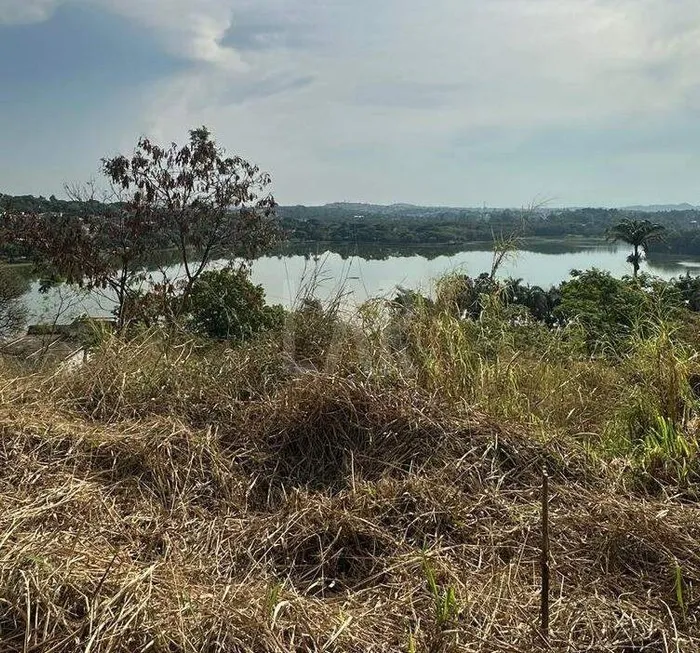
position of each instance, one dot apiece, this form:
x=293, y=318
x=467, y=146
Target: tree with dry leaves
x=202, y=202
x=194, y=199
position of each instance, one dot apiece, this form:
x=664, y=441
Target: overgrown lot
x=355, y=483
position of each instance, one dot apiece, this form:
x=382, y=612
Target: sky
x=435, y=102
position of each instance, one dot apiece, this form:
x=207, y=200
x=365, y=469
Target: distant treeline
x=405, y=228
x=32, y=204
x=445, y=226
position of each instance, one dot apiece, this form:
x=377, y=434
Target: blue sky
x=456, y=102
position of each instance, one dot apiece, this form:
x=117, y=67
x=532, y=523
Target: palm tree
x=639, y=234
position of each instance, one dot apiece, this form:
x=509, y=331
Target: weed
x=445, y=600
x=679, y=589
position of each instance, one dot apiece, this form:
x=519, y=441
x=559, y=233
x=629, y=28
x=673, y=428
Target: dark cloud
x=80, y=46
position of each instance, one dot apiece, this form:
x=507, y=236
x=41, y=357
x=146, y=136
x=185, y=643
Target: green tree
x=225, y=305
x=639, y=234
x=611, y=310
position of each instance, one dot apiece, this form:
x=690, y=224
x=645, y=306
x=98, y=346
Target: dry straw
x=163, y=498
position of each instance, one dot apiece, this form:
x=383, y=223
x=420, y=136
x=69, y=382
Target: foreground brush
x=326, y=513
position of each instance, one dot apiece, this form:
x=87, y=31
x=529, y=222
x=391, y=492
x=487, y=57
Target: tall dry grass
x=380, y=495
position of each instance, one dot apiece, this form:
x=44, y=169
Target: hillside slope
x=169, y=500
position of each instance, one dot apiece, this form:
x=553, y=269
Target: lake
x=359, y=278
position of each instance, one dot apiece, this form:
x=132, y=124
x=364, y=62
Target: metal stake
x=544, y=560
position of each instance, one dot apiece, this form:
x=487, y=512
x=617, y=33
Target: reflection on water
x=369, y=251
x=673, y=265
x=380, y=270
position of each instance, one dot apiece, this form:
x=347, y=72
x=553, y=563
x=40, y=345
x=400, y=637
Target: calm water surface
x=284, y=278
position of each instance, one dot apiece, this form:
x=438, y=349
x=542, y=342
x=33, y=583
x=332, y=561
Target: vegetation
x=12, y=311
x=411, y=228
x=221, y=475
x=379, y=231
x=197, y=200
x=193, y=199
x=638, y=233
x=363, y=482
x=225, y=305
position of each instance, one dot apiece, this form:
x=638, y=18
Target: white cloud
x=502, y=60
x=190, y=29
x=511, y=63
x=335, y=92
x=396, y=86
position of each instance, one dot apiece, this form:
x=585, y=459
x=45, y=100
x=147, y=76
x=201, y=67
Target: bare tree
x=100, y=248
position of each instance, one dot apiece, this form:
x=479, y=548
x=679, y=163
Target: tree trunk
x=635, y=261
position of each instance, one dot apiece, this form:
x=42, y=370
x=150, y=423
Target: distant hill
x=40, y=203
x=656, y=208
x=398, y=211
x=403, y=227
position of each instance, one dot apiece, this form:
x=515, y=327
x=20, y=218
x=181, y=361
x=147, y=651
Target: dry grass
x=163, y=499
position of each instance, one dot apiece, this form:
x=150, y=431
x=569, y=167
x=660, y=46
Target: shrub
x=226, y=305
x=611, y=310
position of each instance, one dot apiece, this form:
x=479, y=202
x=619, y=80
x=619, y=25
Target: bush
x=611, y=310
x=226, y=305
x=689, y=289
